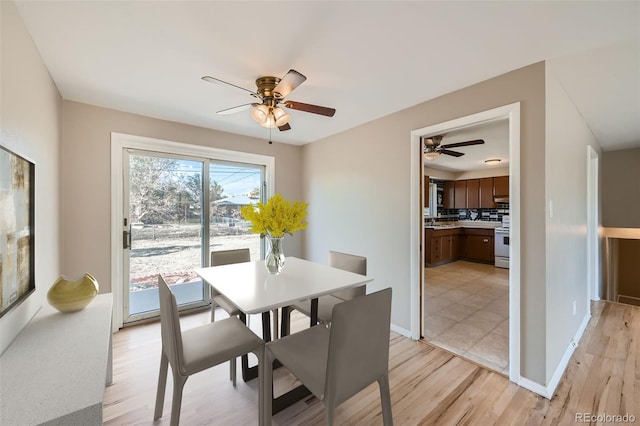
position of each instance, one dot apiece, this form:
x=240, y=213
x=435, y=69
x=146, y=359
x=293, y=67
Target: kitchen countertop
x=485, y=224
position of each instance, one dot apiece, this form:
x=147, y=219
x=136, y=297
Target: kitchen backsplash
x=492, y=215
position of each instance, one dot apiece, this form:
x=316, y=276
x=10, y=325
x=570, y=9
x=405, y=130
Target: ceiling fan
x=271, y=92
x=433, y=149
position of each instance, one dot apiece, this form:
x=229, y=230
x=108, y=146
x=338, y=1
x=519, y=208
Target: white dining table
x=253, y=290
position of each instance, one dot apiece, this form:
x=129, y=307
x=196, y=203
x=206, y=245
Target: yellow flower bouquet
x=277, y=217
x=272, y=220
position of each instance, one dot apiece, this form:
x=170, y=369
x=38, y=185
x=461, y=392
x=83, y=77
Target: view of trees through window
x=166, y=215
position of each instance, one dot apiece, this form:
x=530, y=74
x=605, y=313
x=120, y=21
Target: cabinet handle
x=486, y=240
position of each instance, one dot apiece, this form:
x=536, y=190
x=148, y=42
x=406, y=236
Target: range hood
x=500, y=198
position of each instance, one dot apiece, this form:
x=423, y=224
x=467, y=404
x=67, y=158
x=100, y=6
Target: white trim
x=120, y=141
x=534, y=387
x=416, y=237
x=548, y=390
x=512, y=113
x=594, y=254
x=402, y=331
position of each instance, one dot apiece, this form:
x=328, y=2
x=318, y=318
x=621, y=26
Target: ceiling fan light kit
x=431, y=155
x=272, y=91
x=270, y=117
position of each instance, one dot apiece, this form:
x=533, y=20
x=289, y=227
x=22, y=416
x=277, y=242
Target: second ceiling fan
x=432, y=147
x=271, y=92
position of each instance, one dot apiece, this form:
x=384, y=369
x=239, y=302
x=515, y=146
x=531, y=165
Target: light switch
x=550, y=208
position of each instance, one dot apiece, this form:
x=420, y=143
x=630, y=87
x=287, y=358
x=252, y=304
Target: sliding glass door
x=172, y=223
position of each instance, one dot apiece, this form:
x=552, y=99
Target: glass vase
x=275, y=255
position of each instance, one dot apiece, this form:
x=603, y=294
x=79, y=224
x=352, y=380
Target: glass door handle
x=126, y=239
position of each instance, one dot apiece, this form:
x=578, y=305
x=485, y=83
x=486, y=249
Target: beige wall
x=620, y=188
x=567, y=138
x=358, y=186
x=30, y=126
x=85, y=178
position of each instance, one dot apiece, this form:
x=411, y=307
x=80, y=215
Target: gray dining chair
x=344, y=261
x=338, y=362
x=199, y=348
x=227, y=257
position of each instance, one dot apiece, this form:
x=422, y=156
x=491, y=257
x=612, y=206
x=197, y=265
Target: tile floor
x=467, y=312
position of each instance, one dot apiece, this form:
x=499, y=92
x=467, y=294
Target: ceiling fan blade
x=284, y=127
x=217, y=80
x=452, y=153
x=466, y=143
x=288, y=83
x=236, y=109
x=315, y=109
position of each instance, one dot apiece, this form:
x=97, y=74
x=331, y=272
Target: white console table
x=54, y=373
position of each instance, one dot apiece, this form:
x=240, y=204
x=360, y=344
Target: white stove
x=501, y=239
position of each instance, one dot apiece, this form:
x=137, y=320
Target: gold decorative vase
x=70, y=296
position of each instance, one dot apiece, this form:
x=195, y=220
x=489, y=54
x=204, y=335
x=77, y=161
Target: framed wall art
x=17, y=193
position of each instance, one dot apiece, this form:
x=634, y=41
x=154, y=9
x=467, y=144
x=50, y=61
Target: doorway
x=172, y=204
x=512, y=114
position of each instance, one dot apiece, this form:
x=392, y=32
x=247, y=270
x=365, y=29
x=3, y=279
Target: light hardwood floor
x=429, y=386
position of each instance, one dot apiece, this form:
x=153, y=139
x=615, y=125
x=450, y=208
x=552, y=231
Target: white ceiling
x=366, y=59
x=495, y=135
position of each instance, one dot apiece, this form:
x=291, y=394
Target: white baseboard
x=548, y=390
x=534, y=387
x=400, y=330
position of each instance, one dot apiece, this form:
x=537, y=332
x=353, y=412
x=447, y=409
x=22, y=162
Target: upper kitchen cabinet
x=473, y=193
x=449, y=195
x=460, y=196
x=486, y=193
x=501, y=186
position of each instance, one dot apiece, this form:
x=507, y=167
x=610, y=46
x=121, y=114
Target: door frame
x=594, y=276
x=121, y=141
x=417, y=243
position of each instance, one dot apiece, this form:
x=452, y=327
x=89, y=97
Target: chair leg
x=176, y=403
x=162, y=385
x=330, y=412
x=261, y=370
x=385, y=399
x=213, y=310
x=275, y=324
x=267, y=386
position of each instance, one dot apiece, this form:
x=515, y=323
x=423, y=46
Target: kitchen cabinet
x=486, y=193
x=501, y=186
x=442, y=246
x=460, y=196
x=479, y=245
x=449, y=194
x=473, y=193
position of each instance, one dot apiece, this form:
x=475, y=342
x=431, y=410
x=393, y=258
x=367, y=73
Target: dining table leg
x=313, y=319
x=248, y=373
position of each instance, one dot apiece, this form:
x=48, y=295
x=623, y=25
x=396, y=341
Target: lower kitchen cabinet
x=479, y=245
x=448, y=245
x=442, y=246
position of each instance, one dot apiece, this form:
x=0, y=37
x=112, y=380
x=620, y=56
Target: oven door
x=501, y=248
